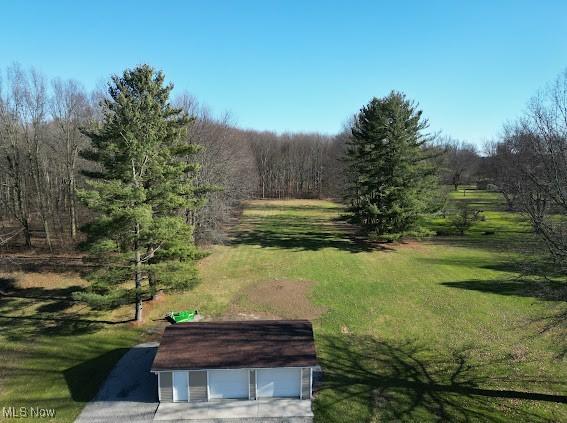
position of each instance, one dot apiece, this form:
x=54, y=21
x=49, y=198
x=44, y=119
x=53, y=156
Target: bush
x=465, y=218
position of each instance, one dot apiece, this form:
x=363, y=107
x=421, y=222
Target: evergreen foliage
x=141, y=194
x=389, y=172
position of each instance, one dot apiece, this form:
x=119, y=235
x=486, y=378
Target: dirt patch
x=280, y=298
x=236, y=312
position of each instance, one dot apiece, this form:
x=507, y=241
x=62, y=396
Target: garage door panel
x=278, y=382
x=180, y=387
x=228, y=384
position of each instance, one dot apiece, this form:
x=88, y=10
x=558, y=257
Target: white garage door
x=278, y=382
x=228, y=384
x=180, y=390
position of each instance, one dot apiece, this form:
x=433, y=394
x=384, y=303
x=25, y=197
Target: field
x=451, y=328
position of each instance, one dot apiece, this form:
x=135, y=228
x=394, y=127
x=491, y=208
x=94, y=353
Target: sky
x=307, y=65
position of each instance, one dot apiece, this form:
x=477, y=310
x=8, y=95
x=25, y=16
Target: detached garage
x=248, y=360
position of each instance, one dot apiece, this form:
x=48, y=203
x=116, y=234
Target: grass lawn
x=443, y=329
x=55, y=354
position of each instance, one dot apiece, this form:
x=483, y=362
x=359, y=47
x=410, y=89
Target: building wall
x=166, y=386
x=306, y=383
x=252, y=384
x=198, y=385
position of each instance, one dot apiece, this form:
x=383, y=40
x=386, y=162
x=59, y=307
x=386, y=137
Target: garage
x=228, y=383
x=281, y=382
x=236, y=360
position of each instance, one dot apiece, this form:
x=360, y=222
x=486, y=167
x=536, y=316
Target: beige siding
x=166, y=386
x=198, y=386
x=306, y=383
x=252, y=384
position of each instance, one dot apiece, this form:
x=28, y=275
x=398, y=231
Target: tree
x=141, y=193
x=498, y=167
x=226, y=163
x=16, y=172
x=536, y=149
x=388, y=168
x=70, y=111
x=461, y=161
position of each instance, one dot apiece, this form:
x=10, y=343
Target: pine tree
x=139, y=240
x=389, y=174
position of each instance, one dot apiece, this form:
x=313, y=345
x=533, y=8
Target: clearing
x=434, y=330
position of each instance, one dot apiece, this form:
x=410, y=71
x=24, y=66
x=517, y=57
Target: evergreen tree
x=140, y=240
x=389, y=174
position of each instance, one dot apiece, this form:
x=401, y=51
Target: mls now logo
x=27, y=412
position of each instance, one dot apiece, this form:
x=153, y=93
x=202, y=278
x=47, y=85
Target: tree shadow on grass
x=547, y=290
x=55, y=299
x=406, y=382
x=301, y=233
x=46, y=312
x=553, y=322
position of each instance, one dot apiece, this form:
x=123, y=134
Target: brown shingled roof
x=233, y=345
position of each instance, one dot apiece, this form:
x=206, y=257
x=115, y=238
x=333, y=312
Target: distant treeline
x=41, y=135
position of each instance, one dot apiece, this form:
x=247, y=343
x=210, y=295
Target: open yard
x=444, y=329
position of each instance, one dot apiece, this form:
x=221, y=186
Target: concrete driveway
x=265, y=409
x=130, y=391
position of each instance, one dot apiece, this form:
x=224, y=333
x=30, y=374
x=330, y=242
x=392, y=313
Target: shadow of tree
x=85, y=378
x=56, y=299
x=129, y=379
x=48, y=312
x=543, y=289
x=301, y=233
x=406, y=382
x=553, y=322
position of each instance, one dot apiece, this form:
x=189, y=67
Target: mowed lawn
x=54, y=353
x=444, y=329
x=433, y=330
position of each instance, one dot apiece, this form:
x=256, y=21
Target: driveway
x=263, y=410
x=129, y=394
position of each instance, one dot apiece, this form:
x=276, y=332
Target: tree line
x=42, y=132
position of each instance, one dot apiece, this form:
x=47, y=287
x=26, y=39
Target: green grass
x=54, y=354
x=435, y=330
x=443, y=329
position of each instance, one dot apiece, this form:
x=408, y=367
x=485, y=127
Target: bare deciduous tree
x=536, y=147
x=70, y=110
x=460, y=162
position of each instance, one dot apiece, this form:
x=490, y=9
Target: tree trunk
x=20, y=210
x=153, y=283
x=47, y=234
x=138, y=279
x=27, y=233
x=72, y=210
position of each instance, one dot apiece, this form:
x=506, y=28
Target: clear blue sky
x=306, y=65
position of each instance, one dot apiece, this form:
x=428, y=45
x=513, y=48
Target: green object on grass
x=183, y=316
